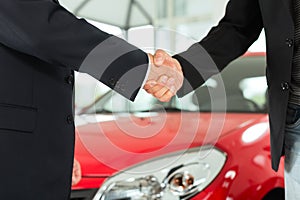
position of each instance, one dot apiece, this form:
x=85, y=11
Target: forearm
x=238, y=29
x=44, y=29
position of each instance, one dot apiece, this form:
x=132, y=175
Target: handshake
x=165, y=77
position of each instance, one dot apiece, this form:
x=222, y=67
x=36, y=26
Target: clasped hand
x=165, y=77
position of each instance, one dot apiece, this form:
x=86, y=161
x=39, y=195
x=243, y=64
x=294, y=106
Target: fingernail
x=152, y=83
x=171, y=81
x=163, y=79
x=173, y=90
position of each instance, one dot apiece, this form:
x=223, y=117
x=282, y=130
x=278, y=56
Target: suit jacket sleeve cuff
x=119, y=65
x=197, y=66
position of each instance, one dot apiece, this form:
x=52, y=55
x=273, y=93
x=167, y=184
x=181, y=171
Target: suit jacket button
x=289, y=42
x=112, y=82
x=285, y=86
x=70, y=119
x=70, y=79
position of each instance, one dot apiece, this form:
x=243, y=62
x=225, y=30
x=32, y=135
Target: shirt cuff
x=147, y=73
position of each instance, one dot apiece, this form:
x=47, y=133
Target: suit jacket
x=41, y=44
x=240, y=27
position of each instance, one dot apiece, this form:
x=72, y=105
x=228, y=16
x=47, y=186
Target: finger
x=177, y=64
x=161, y=92
x=159, y=57
x=162, y=58
x=170, y=83
x=163, y=80
x=149, y=84
x=151, y=58
x=155, y=89
x=166, y=97
x=169, y=62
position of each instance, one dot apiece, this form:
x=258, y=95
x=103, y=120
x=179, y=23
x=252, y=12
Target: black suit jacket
x=41, y=44
x=240, y=27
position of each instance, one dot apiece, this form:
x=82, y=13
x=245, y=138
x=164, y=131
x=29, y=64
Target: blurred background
x=172, y=25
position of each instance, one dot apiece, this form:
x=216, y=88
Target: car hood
x=106, y=144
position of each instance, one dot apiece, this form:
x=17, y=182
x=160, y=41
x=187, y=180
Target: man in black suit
x=41, y=44
x=238, y=29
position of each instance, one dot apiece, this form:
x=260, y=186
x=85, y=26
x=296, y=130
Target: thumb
x=150, y=57
x=159, y=57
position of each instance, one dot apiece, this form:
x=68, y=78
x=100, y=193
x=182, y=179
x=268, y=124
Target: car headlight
x=174, y=176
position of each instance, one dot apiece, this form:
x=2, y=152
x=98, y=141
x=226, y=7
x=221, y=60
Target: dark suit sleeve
x=44, y=29
x=234, y=34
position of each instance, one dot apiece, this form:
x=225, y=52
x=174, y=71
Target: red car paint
x=247, y=173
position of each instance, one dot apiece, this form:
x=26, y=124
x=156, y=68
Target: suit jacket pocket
x=17, y=118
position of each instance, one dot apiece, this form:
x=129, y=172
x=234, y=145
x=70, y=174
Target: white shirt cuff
x=147, y=73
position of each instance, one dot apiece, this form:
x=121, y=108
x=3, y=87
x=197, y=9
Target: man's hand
x=76, y=175
x=165, y=77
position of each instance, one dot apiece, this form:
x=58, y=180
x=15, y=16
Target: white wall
x=174, y=31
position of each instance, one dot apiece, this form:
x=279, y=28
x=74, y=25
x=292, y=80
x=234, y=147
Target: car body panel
x=107, y=144
x=91, y=137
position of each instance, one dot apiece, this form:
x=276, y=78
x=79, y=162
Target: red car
x=212, y=144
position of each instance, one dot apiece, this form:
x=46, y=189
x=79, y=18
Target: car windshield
x=245, y=91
